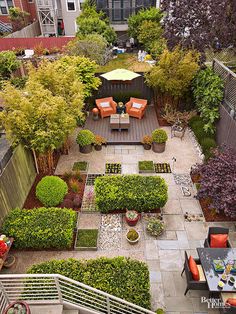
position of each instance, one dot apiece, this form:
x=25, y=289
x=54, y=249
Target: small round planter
x=10, y=261
x=147, y=146
x=132, y=222
x=21, y=303
x=135, y=241
x=158, y=147
x=86, y=149
x=98, y=147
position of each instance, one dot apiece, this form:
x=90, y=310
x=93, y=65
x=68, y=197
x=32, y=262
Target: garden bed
x=32, y=201
x=87, y=240
x=162, y=168
x=88, y=203
x=146, y=166
x=113, y=168
x=81, y=166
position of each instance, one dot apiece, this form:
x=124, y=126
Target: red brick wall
x=25, y=6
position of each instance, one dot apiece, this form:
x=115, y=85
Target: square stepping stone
x=89, y=221
x=174, y=222
x=190, y=206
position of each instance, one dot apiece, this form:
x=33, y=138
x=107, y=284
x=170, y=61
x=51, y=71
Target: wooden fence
x=226, y=127
x=136, y=87
x=29, y=31
x=16, y=181
x=30, y=43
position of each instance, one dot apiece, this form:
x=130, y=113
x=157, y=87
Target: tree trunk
x=46, y=163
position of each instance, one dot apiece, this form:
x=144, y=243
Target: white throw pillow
x=105, y=104
x=137, y=106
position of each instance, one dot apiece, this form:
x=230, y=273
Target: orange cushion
x=219, y=240
x=193, y=268
x=231, y=301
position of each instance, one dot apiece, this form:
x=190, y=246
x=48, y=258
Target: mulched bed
x=209, y=214
x=33, y=202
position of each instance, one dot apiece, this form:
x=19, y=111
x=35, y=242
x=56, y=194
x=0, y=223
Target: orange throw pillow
x=219, y=240
x=231, y=301
x=193, y=268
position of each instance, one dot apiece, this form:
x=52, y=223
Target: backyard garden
x=120, y=217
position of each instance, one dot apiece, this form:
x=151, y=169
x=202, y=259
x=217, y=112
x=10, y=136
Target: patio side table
x=115, y=121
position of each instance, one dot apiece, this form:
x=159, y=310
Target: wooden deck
x=138, y=128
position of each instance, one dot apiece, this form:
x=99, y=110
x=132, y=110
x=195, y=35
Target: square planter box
x=84, y=236
x=147, y=164
x=113, y=168
x=162, y=168
x=81, y=166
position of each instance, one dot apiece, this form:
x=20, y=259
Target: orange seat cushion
x=219, y=240
x=193, y=268
x=231, y=301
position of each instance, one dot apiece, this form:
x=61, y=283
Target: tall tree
x=200, y=23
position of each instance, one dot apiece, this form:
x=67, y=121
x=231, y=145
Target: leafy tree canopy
x=218, y=181
x=197, y=24
x=92, y=22
x=93, y=46
x=149, y=31
x=174, y=72
x=135, y=21
x=8, y=64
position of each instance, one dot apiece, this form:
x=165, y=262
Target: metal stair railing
x=5, y=27
x=58, y=289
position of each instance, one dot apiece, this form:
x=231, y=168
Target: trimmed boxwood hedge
x=40, y=228
x=142, y=193
x=122, y=277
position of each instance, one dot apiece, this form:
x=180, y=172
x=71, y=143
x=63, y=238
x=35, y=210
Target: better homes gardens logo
x=213, y=303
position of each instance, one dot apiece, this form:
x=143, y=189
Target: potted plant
x=85, y=139
x=99, y=140
x=17, y=307
x=147, y=142
x=155, y=227
x=132, y=236
x=131, y=217
x=159, y=138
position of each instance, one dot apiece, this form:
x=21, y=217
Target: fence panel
x=31, y=30
x=16, y=181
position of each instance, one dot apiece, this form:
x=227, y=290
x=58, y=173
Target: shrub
x=218, y=181
x=127, y=192
x=120, y=276
x=40, y=228
x=132, y=235
x=207, y=144
x=51, y=190
x=85, y=137
x=155, y=227
x=159, y=136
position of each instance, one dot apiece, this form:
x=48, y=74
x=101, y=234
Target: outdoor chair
x=191, y=283
x=136, y=107
x=216, y=230
x=107, y=106
x=227, y=297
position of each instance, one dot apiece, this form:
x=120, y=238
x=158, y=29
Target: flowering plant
x=3, y=247
x=131, y=214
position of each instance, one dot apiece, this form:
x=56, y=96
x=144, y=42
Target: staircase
x=57, y=294
x=5, y=28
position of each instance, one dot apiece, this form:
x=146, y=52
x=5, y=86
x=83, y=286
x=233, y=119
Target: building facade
x=24, y=5
x=58, y=17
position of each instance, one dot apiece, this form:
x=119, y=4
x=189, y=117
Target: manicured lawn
x=125, y=61
x=87, y=238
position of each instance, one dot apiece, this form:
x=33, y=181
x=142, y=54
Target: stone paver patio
x=164, y=255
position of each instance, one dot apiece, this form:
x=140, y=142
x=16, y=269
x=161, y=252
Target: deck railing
x=58, y=289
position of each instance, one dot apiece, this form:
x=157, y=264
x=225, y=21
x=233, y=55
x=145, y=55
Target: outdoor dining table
x=207, y=256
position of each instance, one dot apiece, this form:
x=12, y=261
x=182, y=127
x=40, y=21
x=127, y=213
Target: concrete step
x=46, y=309
x=70, y=312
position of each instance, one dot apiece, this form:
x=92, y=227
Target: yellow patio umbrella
x=120, y=75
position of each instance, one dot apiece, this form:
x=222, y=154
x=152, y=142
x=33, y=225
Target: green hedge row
x=40, y=228
x=122, y=277
x=142, y=193
x=205, y=139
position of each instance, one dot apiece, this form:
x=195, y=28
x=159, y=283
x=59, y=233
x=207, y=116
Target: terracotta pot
x=98, y=147
x=132, y=222
x=158, y=147
x=147, y=146
x=86, y=149
x=11, y=306
x=135, y=241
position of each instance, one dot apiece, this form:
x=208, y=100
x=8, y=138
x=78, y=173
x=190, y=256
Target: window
x=71, y=5
x=5, y=5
